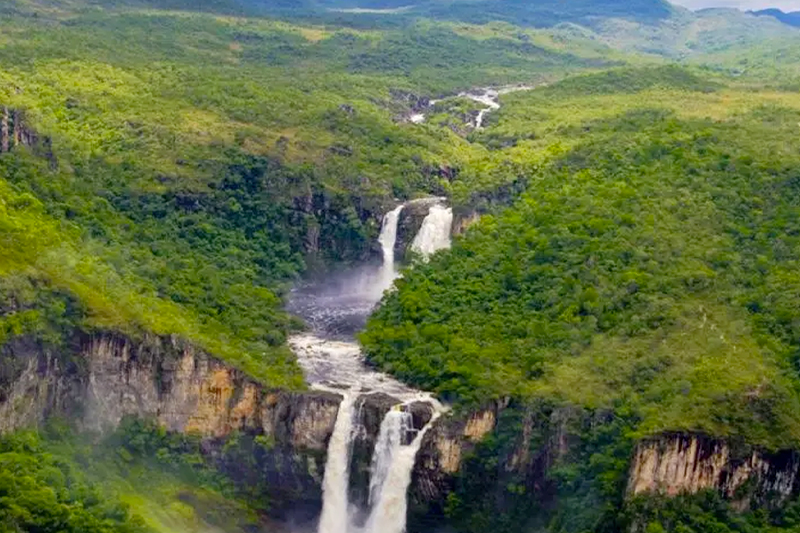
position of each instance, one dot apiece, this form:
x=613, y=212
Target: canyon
x=359, y=448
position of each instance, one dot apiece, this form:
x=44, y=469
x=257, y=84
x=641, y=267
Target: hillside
x=202, y=169
x=649, y=207
x=791, y=18
x=644, y=277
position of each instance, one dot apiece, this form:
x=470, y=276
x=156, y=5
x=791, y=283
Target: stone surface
x=463, y=221
x=421, y=414
x=111, y=376
x=680, y=463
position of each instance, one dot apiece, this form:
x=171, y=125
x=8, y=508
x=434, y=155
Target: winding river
x=489, y=97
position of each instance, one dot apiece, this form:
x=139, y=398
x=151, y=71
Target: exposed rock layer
x=110, y=377
x=679, y=463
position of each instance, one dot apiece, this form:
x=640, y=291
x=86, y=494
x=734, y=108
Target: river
x=336, y=308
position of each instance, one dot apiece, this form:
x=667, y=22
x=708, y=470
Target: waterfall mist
x=338, y=304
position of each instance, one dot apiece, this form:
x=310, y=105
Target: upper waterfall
x=387, y=240
x=434, y=235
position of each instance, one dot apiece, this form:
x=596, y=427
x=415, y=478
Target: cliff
x=106, y=377
x=439, y=460
x=680, y=463
x=510, y=460
x=109, y=376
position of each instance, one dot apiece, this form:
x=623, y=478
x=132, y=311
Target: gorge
x=336, y=365
x=361, y=451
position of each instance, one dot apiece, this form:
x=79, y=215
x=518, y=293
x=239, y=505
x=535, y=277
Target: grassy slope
x=140, y=493
x=638, y=272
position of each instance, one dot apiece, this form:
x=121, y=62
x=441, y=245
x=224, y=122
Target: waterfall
x=435, y=232
x=394, y=426
x=387, y=240
x=337, y=366
x=391, y=474
x=335, y=505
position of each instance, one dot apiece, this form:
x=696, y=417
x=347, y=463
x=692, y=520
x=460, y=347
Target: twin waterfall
x=337, y=366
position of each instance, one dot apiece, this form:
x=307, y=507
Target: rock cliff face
x=679, y=463
x=439, y=458
x=34, y=386
x=111, y=376
x=528, y=442
x=463, y=221
x=188, y=391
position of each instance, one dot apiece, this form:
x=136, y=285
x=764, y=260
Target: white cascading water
x=337, y=365
x=335, y=518
x=393, y=464
x=390, y=437
x=434, y=235
x=387, y=240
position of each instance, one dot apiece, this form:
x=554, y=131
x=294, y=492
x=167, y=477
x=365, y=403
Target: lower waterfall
x=335, y=507
x=393, y=463
x=395, y=425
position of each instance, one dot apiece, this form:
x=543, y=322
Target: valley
x=362, y=267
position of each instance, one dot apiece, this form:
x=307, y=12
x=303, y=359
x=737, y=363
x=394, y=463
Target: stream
x=487, y=96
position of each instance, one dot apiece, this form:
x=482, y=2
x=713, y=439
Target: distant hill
x=792, y=19
x=543, y=13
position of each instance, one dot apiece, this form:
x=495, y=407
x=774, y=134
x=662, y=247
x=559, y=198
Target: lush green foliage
x=184, y=167
x=41, y=492
x=640, y=268
x=140, y=478
x=187, y=167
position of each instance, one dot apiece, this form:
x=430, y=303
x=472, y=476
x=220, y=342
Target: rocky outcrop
x=443, y=447
x=464, y=220
x=680, y=463
x=407, y=104
x=33, y=387
x=111, y=376
x=188, y=391
x=15, y=132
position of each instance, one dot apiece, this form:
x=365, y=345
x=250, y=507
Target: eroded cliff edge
x=519, y=460
x=108, y=376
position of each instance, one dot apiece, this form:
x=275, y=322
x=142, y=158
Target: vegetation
x=140, y=479
x=39, y=492
x=640, y=267
x=173, y=169
x=181, y=169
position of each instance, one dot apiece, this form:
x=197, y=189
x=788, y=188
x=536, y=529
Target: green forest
x=172, y=169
